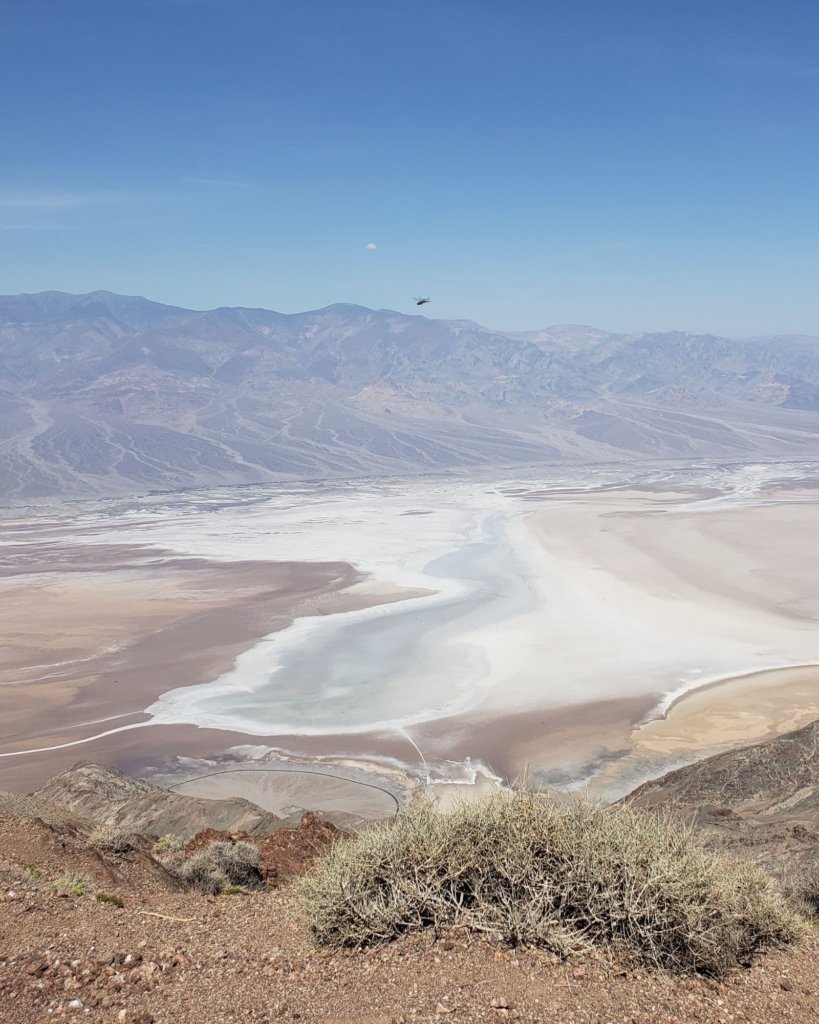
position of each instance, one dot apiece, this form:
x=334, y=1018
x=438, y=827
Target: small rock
x=785, y=985
x=75, y=1004
x=441, y=1009
x=501, y=1003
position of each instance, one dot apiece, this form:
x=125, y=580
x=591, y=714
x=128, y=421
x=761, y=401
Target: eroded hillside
x=107, y=394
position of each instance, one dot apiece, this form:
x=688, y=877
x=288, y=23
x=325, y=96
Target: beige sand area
x=701, y=591
x=725, y=715
x=92, y=635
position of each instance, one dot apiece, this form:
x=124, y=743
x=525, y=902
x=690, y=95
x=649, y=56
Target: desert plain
x=580, y=628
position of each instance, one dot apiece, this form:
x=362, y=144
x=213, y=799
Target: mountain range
x=104, y=394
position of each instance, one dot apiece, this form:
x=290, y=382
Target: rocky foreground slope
x=760, y=801
x=91, y=930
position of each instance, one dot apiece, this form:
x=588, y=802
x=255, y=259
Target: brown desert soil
x=91, y=637
x=172, y=957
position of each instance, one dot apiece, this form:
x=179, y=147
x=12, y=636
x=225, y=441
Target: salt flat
x=449, y=626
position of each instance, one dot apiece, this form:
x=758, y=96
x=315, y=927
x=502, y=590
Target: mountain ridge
x=102, y=394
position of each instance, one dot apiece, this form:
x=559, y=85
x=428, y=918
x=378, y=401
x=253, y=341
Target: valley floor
x=593, y=629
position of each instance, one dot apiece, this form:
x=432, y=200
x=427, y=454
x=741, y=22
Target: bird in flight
x=420, y=302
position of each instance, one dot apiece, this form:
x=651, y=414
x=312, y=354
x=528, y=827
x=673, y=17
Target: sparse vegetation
x=107, y=897
x=69, y=885
x=221, y=865
x=802, y=889
x=558, y=876
x=166, y=846
x=111, y=839
x=35, y=872
x=234, y=890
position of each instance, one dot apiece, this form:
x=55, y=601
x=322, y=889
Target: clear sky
x=631, y=164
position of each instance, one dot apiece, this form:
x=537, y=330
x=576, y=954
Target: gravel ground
x=183, y=959
x=167, y=956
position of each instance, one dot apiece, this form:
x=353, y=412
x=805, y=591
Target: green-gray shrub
x=220, y=865
x=68, y=885
x=559, y=876
x=107, y=897
x=167, y=845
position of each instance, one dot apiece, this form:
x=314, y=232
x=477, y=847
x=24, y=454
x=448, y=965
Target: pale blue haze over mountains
x=106, y=394
x=637, y=165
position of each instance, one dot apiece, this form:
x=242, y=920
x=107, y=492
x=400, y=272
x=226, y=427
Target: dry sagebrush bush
x=558, y=876
x=111, y=839
x=802, y=890
x=167, y=846
x=221, y=865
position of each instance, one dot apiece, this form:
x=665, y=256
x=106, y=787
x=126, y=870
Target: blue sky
x=631, y=164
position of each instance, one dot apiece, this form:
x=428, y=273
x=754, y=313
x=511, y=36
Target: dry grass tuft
x=111, y=839
x=112, y=898
x=167, y=846
x=220, y=866
x=69, y=885
x=802, y=889
x=554, y=875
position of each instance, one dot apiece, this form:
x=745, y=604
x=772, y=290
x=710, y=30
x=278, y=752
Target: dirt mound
x=283, y=854
x=63, y=856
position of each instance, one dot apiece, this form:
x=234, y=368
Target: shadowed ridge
x=761, y=799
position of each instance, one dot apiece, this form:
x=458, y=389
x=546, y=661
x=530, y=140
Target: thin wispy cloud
x=12, y=199
x=217, y=182
x=767, y=64
x=179, y=3
x=32, y=227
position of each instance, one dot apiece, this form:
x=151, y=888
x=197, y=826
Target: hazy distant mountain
x=104, y=394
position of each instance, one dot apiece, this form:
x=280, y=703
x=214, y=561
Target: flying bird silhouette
x=420, y=302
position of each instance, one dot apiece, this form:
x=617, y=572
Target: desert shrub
x=34, y=872
x=167, y=846
x=220, y=865
x=111, y=839
x=107, y=897
x=802, y=890
x=559, y=876
x=68, y=885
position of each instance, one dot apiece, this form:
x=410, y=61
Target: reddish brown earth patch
x=284, y=853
